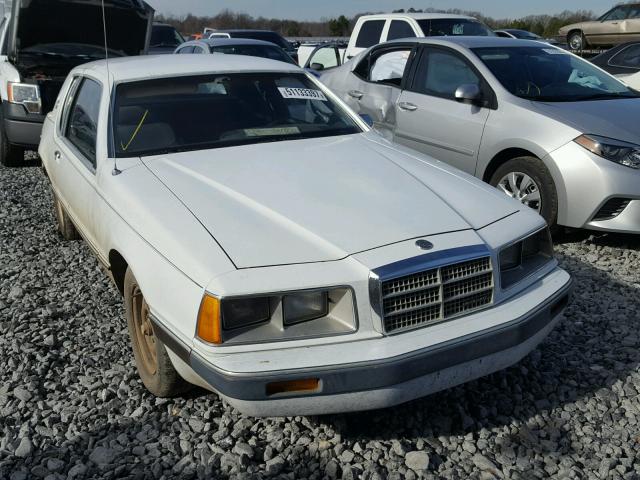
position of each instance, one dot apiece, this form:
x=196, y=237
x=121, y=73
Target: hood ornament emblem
x=424, y=244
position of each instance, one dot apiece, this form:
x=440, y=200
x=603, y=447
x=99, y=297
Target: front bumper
x=586, y=182
x=389, y=381
x=21, y=128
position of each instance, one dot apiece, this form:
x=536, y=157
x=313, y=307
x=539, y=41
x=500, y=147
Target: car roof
x=474, y=42
x=222, y=42
x=156, y=66
x=417, y=16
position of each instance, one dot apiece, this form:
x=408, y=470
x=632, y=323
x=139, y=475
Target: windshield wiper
x=606, y=96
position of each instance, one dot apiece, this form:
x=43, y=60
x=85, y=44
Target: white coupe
x=271, y=248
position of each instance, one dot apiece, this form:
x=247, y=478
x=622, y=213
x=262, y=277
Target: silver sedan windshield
x=550, y=74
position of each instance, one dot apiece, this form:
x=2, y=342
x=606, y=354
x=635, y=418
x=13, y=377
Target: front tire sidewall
x=538, y=171
x=165, y=382
x=580, y=46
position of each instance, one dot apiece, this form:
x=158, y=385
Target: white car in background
x=371, y=30
x=288, y=258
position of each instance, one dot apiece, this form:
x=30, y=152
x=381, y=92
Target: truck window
x=370, y=33
x=400, y=29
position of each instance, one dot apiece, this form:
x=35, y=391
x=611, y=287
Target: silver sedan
x=539, y=123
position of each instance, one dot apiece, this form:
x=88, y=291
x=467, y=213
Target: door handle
x=58, y=156
x=409, y=107
x=356, y=94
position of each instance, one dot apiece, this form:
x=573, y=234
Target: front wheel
x=576, y=42
x=154, y=365
x=528, y=180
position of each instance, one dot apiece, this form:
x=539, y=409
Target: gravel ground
x=72, y=406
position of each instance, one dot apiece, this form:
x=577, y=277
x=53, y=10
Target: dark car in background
x=264, y=35
x=164, y=39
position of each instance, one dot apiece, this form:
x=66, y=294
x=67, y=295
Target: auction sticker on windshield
x=302, y=93
x=271, y=132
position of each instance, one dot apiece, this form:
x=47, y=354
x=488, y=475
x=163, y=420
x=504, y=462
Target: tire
x=10, y=155
x=576, y=41
x=65, y=226
x=537, y=172
x=152, y=360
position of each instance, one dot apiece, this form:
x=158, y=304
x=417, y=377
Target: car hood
x=42, y=22
x=321, y=200
x=609, y=118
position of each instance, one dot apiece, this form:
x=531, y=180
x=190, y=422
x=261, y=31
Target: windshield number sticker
x=271, y=132
x=554, y=51
x=302, y=93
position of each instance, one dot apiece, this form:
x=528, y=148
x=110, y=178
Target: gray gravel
x=71, y=404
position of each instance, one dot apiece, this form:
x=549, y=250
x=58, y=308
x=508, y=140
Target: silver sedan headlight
x=274, y=317
x=525, y=257
x=623, y=153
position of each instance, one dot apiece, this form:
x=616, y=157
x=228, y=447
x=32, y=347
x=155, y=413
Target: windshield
x=165, y=36
x=446, y=27
x=213, y=111
x=550, y=74
x=264, y=51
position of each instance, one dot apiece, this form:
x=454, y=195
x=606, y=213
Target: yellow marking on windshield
x=135, y=132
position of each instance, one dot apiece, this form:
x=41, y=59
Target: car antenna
x=115, y=170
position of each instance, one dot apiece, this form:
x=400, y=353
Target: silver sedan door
x=429, y=117
x=377, y=85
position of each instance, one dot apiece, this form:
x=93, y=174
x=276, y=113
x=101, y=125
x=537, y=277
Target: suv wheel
x=10, y=155
x=153, y=362
x=576, y=41
x=528, y=180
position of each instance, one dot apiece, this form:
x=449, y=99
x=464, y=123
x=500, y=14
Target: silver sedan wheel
x=523, y=188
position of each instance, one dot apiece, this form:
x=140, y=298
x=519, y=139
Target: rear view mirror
x=469, y=93
x=317, y=67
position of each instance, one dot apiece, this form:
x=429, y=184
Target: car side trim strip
x=173, y=343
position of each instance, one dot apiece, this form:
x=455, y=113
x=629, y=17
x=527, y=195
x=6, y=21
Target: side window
x=389, y=67
x=370, y=33
x=400, y=29
x=326, y=57
x=198, y=50
x=619, y=13
x=634, y=11
x=82, y=126
x=629, y=58
x=188, y=49
x=440, y=74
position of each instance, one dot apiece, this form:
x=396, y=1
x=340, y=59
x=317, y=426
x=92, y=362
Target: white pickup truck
x=41, y=41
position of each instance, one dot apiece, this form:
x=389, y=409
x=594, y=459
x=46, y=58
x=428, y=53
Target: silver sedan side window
x=440, y=73
x=390, y=67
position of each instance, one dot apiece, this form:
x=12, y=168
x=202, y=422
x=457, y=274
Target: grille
x=612, y=208
x=436, y=295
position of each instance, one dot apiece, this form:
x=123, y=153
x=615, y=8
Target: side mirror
x=469, y=93
x=367, y=119
x=318, y=67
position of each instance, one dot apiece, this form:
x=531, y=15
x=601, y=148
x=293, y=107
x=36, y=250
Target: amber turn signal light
x=209, y=323
x=292, y=386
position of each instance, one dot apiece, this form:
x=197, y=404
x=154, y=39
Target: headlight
x=25, y=94
x=624, y=153
x=525, y=257
x=286, y=316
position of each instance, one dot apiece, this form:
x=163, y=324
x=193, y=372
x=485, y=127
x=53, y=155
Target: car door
x=323, y=58
x=431, y=120
x=377, y=83
x=608, y=30
x=632, y=25
x=74, y=166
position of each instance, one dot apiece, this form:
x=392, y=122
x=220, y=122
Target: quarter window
x=628, y=58
x=389, y=67
x=400, y=29
x=370, y=33
x=82, y=128
x=186, y=50
x=440, y=74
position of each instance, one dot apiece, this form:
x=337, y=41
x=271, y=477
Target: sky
x=317, y=9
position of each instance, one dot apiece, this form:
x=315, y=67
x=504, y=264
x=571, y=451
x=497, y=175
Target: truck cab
x=41, y=42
